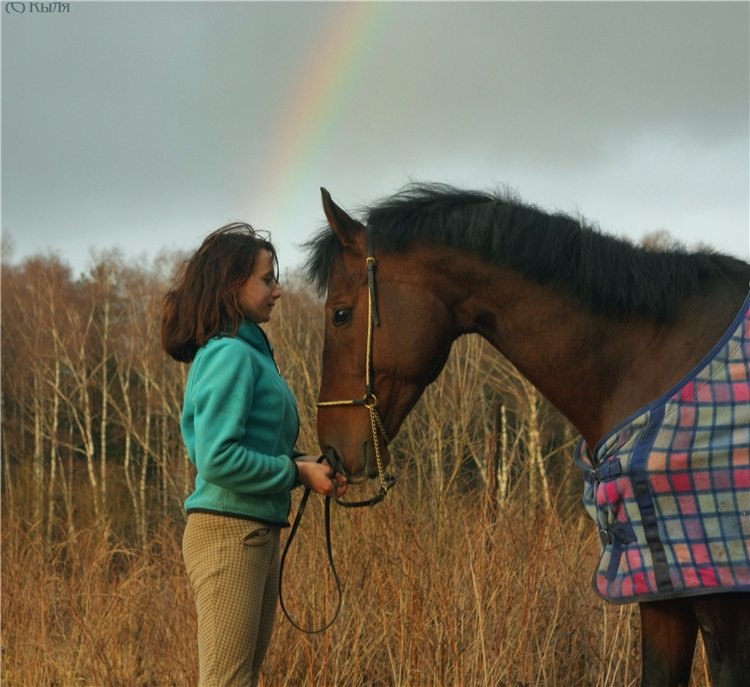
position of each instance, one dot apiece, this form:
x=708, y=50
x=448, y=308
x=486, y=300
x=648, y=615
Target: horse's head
x=387, y=335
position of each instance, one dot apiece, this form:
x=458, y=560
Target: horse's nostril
x=334, y=460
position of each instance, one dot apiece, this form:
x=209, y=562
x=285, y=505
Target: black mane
x=605, y=273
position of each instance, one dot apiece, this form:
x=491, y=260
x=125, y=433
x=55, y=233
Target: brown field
x=430, y=599
x=474, y=572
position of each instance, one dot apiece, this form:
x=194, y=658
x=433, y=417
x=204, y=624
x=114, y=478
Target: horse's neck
x=567, y=353
x=596, y=370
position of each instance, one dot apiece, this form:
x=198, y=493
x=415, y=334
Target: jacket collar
x=249, y=331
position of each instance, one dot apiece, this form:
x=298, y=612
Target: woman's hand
x=319, y=477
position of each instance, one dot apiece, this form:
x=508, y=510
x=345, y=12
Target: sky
x=142, y=126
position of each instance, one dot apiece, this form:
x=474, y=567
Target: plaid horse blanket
x=669, y=488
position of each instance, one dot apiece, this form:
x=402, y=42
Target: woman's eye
x=342, y=316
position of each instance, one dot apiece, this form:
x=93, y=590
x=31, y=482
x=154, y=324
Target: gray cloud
x=148, y=124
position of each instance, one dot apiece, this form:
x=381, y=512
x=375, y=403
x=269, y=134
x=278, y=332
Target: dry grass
x=434, y=595
x=90, y=612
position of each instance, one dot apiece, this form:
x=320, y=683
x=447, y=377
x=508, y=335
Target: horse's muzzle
x=337, y=463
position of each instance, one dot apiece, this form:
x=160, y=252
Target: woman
x=240, y=425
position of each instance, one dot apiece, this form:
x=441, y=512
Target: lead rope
x=329, y=550
x=390, y=481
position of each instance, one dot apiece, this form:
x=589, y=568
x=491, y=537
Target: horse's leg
x=724, y=621
x=668, y=633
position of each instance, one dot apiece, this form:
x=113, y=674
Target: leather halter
x=370, y=400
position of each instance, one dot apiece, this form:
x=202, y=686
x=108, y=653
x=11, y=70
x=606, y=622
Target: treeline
x=91, y=406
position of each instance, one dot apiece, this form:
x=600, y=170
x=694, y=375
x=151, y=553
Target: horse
x=626, y=341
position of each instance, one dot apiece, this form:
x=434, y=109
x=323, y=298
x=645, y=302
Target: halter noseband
x=370, y=400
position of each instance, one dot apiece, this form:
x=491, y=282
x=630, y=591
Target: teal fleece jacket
x=240, y=424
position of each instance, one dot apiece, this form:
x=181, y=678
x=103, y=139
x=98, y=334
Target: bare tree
x=91, y=404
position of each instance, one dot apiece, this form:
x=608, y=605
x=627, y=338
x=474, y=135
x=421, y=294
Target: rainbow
x=317, y=98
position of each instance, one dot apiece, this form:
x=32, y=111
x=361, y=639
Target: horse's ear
x=346, y=228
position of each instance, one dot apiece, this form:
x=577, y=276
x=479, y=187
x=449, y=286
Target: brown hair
x=203, y=299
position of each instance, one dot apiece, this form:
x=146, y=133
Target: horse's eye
x=342, y=316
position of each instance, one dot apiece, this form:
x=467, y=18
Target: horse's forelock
x=322, y=250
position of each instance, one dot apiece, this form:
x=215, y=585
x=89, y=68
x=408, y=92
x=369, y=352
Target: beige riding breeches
x=233, y=567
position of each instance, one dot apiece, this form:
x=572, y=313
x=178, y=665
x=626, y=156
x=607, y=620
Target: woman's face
x=258, y=294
